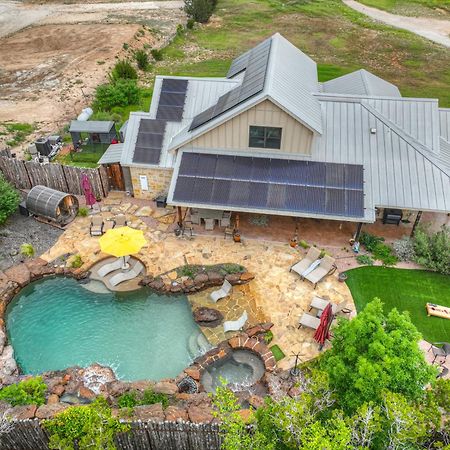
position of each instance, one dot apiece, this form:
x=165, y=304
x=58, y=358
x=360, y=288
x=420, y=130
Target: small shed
x=54, y=205
x=97, y=131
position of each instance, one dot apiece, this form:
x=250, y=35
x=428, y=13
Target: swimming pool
x=57, y=323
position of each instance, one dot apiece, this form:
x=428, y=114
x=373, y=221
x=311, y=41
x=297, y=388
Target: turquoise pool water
x=57, y=323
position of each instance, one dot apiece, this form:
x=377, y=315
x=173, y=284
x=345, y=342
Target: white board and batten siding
x=234, y=133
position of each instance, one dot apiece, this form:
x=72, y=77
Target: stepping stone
x=124, y=208
x=133, y=209
x=145, y=211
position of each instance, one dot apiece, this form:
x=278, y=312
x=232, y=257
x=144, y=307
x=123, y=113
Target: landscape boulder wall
x=207, y=317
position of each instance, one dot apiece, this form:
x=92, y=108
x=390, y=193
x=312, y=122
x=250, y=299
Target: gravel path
x=20, y=230
x=435, y=30
x=15, y=15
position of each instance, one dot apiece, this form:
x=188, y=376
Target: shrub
x=365, y=260
x=83, y=211
x=304, y=244
x=199, y=10
x=433, y=250
x=125, y=46
x=76, y=262
x=123, y=70
x=383, y=253
x=188, y=271
x=27, y=250
x=84, y=427
x=150, y=398
x=404, y=249
x=27, y=392
x=190, y=24
x=232, y=268
x=268, y=337
x=9, y=199
x=119, y=93
x=277, y=352
x=141, y=58
x=127, y=400
x=369, y=241
x=157, y=54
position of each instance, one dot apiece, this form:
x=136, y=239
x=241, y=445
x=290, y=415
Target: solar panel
x=171, y=100
x=255, y=64
x=149, y=141
x=270, y=184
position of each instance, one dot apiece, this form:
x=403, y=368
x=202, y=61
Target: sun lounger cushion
x=222, y=292
x=312, y=255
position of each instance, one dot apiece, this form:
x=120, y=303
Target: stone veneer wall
x=158, y=181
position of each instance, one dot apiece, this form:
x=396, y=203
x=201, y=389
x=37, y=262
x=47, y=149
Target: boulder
x=52, y=399
x=2, y=340
x=146, y=280
x=86, y=393
x=38, y=268
x=117, y=388
x=142, y=385
x=73, y=399
x=150, y=412
x=233, y=278
x=200, y=414
x=165, y=387
x=176, y=414
x=193, y=372
x=157, y=284
x=8, y=364
x=22, y=412
x=256, y=401
x=247, y=276
x=208, y=317
x=201, y=279
x=253, y=331
x=20, y=274
x=48, y=411
x=215, y=278
x=58, y=390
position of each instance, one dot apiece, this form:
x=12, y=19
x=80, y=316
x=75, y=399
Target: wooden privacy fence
x=29, y=435
x=26, y=174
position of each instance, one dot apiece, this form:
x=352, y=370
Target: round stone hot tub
x=241, y=368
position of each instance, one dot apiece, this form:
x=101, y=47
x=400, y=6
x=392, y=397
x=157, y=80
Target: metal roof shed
x=99, y=131
x=57, y=206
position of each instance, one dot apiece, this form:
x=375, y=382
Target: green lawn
x=406, y=290
x=437, y=8
x=338, y=38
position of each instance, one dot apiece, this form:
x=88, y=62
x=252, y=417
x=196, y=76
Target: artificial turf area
x=406, y=290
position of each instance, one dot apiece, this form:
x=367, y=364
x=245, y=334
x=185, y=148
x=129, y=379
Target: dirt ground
x=50, y=68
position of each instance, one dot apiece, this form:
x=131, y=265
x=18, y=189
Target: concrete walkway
x=435, y=30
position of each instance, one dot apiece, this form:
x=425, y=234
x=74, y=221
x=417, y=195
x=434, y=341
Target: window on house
x=265, y=137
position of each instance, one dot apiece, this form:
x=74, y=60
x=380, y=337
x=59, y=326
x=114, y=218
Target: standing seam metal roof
x=91, y=126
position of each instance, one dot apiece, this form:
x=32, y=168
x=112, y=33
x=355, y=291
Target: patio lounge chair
x=112, y=266
x=312, y=256
x=235, y=325
x=320, y=304
x=309, y=321
x=327, y=267
x=441, y=349
x=108, y=224
x=120, y=221
x=222, y=292
x=96, y=227
x=133, y=272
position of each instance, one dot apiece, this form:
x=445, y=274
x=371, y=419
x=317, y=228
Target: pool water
x=56, y=323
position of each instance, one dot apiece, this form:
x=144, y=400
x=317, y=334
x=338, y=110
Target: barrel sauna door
x=115, y=177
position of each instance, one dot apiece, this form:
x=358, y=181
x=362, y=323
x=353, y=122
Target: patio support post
x=416, y=222
x=179, y=217
x=357, y=232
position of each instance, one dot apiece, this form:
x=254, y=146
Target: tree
x=374, y=353
x=199, y=10
x=9, y=199
x=123, y=70
x=433, y=250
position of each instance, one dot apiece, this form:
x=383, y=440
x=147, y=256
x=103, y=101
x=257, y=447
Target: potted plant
x=236, y=236
x=342, y=277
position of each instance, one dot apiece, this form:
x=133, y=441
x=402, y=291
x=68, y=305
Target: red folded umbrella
x=323, y=330
x=87, y=189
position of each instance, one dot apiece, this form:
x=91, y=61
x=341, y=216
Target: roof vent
x=373, y=131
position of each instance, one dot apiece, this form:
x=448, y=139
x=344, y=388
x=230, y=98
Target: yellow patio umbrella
x=121, y=242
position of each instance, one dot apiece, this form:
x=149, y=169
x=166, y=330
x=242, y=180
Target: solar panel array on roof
x=271, y=184
x=149, y=141
x=171, y=100
x=255, y=64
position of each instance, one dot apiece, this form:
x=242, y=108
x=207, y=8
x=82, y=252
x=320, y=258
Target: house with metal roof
x=270, y=138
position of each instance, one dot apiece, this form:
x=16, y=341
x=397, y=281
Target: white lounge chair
x=112, y=266
x=128, y=275
x=235, y=325
x=309, y=321
x=222, y=292
x=311, y=257
x=320, y=304
x=327, y=267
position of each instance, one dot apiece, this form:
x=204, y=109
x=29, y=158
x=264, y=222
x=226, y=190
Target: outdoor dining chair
x=440, y=349
x=96, y=226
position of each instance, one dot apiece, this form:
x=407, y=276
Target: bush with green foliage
x=27, y=250
x=83, y=211
x=404, y=249
x=119, y=93
x=126, y=46
x=123, y=70
x=268, y=337
x=76, y=262
x=370, y=241
x=383, y=253
x=365, y=260
x=148, y=397
x=157, y=54
x=374, y=353
x=432, y=250
x=199, y=10
x=27, y=392
x=9, y=199
x=190, y=24
x=303, y=244
x=84, y=427
x=231, y=268
x=141, y=58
